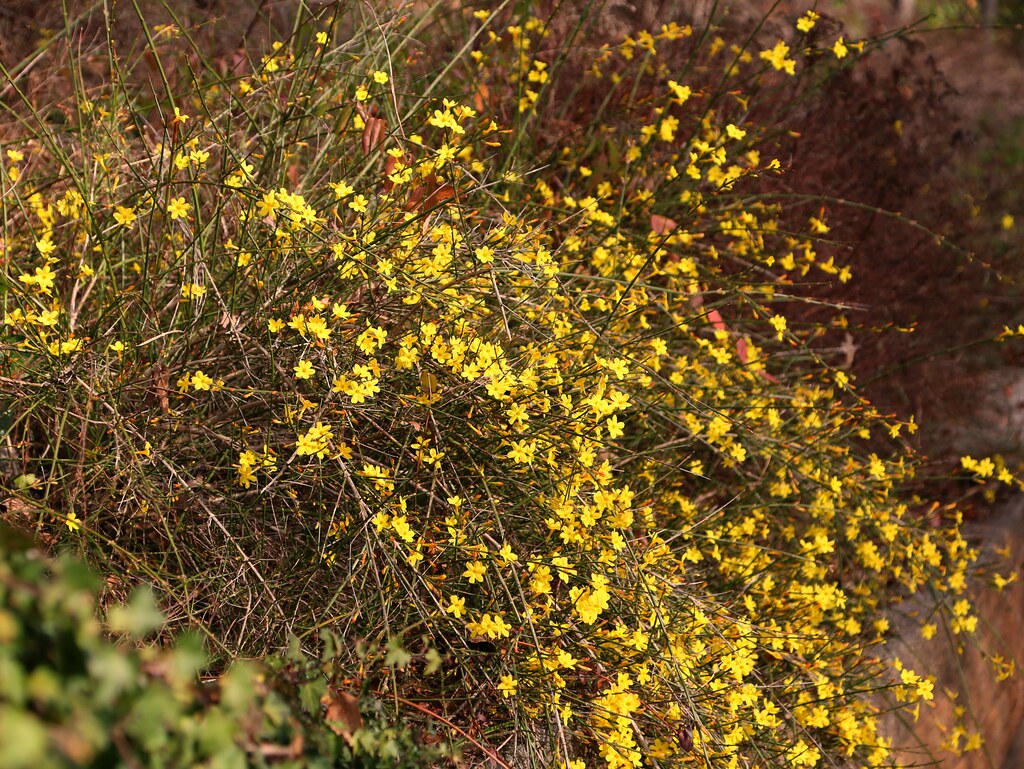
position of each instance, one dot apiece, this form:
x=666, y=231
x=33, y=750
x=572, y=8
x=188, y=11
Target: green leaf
x=397, y=656
x=23, y=742
x=113, y=673
x=76, y=576
x=238, y=687
x=216, y=736
x=189, y=657
x=139, y=617
x=26, y=481
x=229, y=758
x=433, y=662
x=310, y=694
x=330, y=648
x=12, y=673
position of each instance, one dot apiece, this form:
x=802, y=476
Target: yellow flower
x=267, y=205
x=806, y=22
x=48, y=318
x=178, y=208
x=317, y=326
x=840, y=49
x=69, y=346
x=415, y=556
x=803, y=754
x=371, y=339
x=779, y=324
x=72, y=521
x=1001, y=582
x=124, y=216
x=735, y=132
x=497, y=627
x=315, y=441
x=506, y=555
x=445, y=154
x=43, y=279
x=46, y=246
x=680, y=93
x=456, y=606
x=475, y=571
x=507, y=686
x=304, y=370
x=246, y=475
x=777, y=57
x=522, y=452
x=342, y=190
x=401, y=527
x=201, y=381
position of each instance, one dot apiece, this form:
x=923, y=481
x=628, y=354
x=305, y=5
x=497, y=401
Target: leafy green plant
x=70, y=696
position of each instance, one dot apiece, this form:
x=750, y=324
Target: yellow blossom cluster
x=545, y=413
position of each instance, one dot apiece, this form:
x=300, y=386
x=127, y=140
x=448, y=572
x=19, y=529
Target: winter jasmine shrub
x=502, y=396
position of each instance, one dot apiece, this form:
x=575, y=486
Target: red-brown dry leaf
x=481, y=98
x=439, y=196
x=162, y=387
x=741, y=350
x=420, y=199
x=662, y=224
x=342, y=716
x=373, y=133
x=716, y=320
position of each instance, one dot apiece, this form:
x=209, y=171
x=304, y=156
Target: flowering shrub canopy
x=323, y=347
